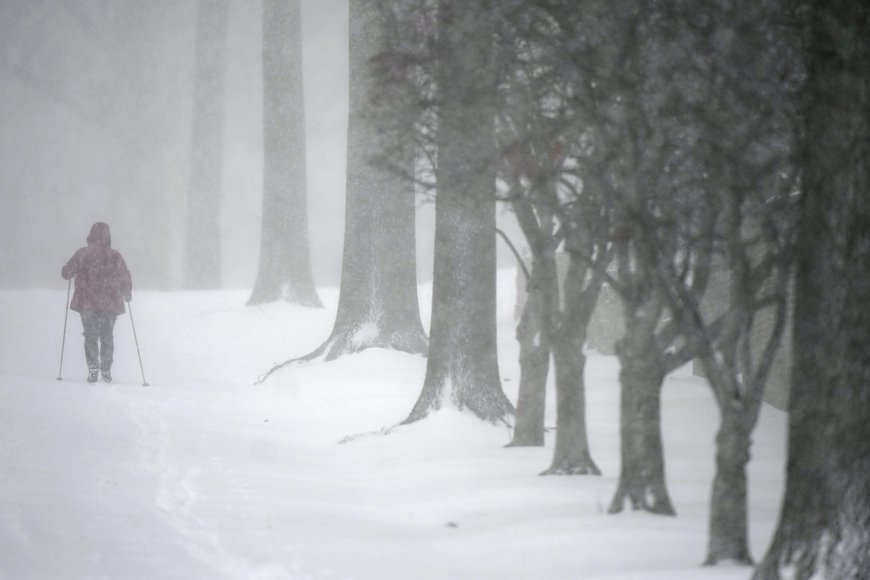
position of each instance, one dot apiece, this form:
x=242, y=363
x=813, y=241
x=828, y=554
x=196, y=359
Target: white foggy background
x=95, y=125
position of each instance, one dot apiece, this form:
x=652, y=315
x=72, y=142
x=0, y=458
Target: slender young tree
x=285, y=267
x=824, y=525
x=462, y=367
x=745, y=76
x=648, y=145
x=203, y=263
x=526, y=142
x=560, y=60
x=541, y=135
x=561, y=309
x=546, y=159
x=582, y=286
x=533, y=332
x=587, y=58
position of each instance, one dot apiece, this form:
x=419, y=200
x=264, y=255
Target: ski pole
x=63, y=340
x=136, y=338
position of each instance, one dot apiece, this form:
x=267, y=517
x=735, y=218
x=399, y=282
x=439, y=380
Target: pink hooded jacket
x=102, y=279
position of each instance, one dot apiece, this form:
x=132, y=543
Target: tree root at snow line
x=382, y=432
x=338, y=345
x=314, y=355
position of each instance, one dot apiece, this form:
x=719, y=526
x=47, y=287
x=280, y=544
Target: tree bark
x=203, y=265
x=533, y=337
x=285, y=266
x=462, y=368
x=378, y=305
x=824, y=525
x=728, y=535
x=571, y=455
x=642, y=476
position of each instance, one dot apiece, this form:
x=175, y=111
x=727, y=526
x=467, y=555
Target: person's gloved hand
x=128, y=297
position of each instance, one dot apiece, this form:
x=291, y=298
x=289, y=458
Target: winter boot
x=92, y=375
x=107, y=376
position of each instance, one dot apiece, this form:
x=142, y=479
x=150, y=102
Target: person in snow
x=103, y=283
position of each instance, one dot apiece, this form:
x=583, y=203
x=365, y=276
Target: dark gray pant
x=99, y=341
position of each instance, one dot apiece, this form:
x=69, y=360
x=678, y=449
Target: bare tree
x=530, y=166
x=740, y=216
x=285, y=267
x=203, y=264
x=645, y=145
x=824, y=525
x=462, y=367
x=533, y=333
x=541, y=133
x=607, y=66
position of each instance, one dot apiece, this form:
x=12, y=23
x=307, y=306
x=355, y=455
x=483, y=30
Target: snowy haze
x=95, y=125
x=84, y=136
x=203, y=475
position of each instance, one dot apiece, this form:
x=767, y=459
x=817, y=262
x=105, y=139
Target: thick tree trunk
x=285, y=267
x=203, y=263
x=728, y=536
x=378, y=304
x=824, y=526
x=642, y=477
x=532, y=335
x=462, y=368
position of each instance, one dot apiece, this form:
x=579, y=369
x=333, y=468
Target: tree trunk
x=203, y=265
x=571, y=455
x=377, y=304
x=824, y=526
x=285, y=268
x=728, y=537
x=642, y=476
x=462, y=367
x=532, y=335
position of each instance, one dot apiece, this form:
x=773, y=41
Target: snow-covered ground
x=205, y=475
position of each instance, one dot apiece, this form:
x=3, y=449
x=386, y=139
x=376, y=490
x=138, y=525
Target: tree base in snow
x=526, y=443
x=583, y=468
x=646, y=499
x=347, y=342
x=744, y=560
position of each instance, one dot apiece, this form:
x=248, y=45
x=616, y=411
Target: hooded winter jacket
x=102, y=279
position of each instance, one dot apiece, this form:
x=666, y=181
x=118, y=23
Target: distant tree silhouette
x=203, y=253
x=285, y=266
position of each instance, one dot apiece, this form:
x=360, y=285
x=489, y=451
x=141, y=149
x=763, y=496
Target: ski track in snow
x=176, y=496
